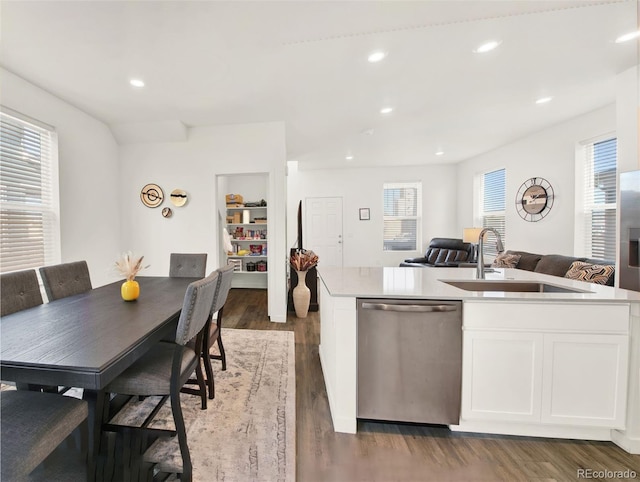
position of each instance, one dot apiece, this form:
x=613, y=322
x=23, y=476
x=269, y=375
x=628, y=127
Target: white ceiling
x=304, y=63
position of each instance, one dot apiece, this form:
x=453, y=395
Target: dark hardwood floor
x=397, y=452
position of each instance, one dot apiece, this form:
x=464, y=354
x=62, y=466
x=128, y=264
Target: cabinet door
x=585, y=381
x=502, y=376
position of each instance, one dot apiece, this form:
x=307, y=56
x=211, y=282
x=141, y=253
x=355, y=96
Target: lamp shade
x=471, y=235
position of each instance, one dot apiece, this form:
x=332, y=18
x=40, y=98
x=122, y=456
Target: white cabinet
x=585, y=379
x=562, y=374
x=502, y=376
x=249, y=233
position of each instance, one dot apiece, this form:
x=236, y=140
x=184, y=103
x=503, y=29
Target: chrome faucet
x=499, y=246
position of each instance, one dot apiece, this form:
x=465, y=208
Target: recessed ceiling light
x=137, y=82
x=439, y=153
x=349, y=157
x=543, y=100
x=628, y=36
x=487, y=46
x=376, y=56
x=386, y=110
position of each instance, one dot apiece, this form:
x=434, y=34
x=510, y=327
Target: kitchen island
x=560, y=363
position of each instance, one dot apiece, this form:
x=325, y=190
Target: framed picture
x=364, y=214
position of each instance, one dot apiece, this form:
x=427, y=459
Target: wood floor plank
x=383, y=452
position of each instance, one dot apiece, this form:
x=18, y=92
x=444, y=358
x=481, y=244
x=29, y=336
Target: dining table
x=87, y=340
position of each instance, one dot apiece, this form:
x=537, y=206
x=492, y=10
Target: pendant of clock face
x=534, y=199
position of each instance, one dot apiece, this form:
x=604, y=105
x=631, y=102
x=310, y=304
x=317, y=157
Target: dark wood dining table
x=87, y=340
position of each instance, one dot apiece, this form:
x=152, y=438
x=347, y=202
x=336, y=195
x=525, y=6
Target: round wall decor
x=166, y=212
x=534, y=199
x=178, y=197
x=151, y=195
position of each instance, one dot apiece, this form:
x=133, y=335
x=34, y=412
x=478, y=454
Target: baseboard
x=534, y=430
x=628, y=444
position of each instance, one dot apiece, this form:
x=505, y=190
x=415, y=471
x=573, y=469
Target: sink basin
x=512, y=286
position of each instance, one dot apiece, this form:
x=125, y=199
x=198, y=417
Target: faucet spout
x=499, y=247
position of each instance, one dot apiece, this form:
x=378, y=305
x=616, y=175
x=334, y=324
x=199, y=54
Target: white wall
x=193, y=166
x=362, y=188
x=550, y=154
x=628, y=112
x=88, y=176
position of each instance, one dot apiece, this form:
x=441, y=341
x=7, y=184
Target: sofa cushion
x=446, y=256
x=593, y=273
x=506, y=260
x=554, y=264
x=528, y=261
x=442, y=252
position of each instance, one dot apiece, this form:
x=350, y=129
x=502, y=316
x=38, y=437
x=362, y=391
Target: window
x=599, y=161
x=402, y=209
x=492, y=212
x=29, y=225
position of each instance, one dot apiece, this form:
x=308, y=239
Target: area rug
x=247, y=432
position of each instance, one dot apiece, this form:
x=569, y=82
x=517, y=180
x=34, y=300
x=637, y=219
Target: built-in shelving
x=244, y=236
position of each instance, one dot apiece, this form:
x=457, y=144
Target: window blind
x=401, y=212
x=600, y=174
x=493, y=208
x=28, y=198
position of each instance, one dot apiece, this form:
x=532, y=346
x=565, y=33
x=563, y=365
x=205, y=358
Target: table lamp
x=471, y=235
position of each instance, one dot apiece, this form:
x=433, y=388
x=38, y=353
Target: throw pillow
x=504, y=260
x=592, y=273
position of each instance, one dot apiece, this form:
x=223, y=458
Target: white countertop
x=426, y=283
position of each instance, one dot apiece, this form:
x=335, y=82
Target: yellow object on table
x=130, y=290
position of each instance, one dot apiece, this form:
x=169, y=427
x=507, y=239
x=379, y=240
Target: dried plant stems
x=303, y=260
x=129, y=266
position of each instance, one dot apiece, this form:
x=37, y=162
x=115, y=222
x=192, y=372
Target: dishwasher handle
x=410, y=308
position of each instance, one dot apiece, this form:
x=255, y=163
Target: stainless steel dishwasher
x=409, y=360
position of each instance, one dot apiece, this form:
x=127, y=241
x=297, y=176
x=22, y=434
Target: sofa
x=451, y=252
x=442, y=252
x=559, y=265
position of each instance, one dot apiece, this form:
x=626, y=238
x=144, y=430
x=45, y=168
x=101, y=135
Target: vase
x=130, y=290
x=301, y=295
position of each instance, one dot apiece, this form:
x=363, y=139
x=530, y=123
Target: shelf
x=250, y=272
x=249, y=240
x=247, y=256
x=247, y=224
x=251, y=207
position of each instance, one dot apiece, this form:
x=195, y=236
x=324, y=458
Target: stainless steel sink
x=512, y=286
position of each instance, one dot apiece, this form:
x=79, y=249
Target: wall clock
x=534, y=199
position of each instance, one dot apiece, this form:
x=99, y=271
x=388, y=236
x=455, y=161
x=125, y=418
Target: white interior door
x=323, y=234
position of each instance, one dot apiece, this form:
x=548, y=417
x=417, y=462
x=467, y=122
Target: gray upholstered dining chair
x=214, y=334
x=188, y=265
x=62, y=280
x=33, y=425
x=18, y=291
x=164, y=369
x=67, y=279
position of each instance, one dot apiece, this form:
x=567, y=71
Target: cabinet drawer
x=608, y=318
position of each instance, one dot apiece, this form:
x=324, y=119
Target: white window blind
x=600, y=160
x=493, y=208
x=29, y=225
x=402, y=208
